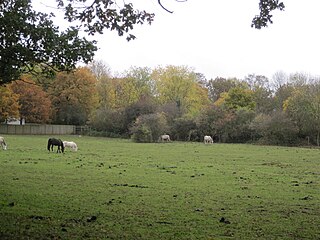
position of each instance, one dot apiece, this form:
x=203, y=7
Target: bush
x=148, y=127
x=142, y=134
x=184, y=129
x=277, y=129
x=110, y=121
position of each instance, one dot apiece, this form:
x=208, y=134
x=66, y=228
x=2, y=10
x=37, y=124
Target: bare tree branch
x=159, y=1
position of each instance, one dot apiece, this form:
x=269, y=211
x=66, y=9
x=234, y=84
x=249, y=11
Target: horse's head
x=49, y=144
x=62, y=146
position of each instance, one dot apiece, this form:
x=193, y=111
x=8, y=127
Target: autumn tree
x=9, y=105
x=178, y=85
x=220, y=85
x=117, y=93
x=262, y=93
x=102, y=73
x=237, y=107
x=74, y=96
x=285, y=85
x=122, y=99
x=135, y=84
x=237, y=98
x=35, y=103
x=143, y=81
x=107, y=119
x=303, y=106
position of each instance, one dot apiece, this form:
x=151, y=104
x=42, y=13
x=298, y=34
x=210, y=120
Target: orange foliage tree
x=74, y=96
x=35, y=103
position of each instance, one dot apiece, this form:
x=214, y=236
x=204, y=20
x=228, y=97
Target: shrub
x=277, y=129
x=184, y=129
x=148, y=127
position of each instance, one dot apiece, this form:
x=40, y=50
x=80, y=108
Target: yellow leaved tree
x=9, y=106
x=179, y=85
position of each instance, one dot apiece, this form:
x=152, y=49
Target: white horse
x=3, y=143
x=207, y=139
x=165, y=138
x=72, y=145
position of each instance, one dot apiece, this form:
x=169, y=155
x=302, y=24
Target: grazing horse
x=3, y=143
x=207, y=139
x=55, y=142
x=165, y=138
x=72, y=145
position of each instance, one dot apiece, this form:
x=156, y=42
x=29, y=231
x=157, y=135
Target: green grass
x=117, y=189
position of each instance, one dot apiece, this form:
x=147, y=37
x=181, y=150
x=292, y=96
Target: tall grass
x=117, y=189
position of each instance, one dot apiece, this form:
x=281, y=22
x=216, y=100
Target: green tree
x=219, y=85
x=141, y=76
x=303, y=106
x=145, y=105
x=238, y=128
x=213, y=121
x=276, y=128
x=262, y=92
x=281, y=95
x=109, y=122
x=281, y=88
x=31, y=43
x=184, y=129
x=237, y=98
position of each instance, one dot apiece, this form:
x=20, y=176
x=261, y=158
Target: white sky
x=216, y=39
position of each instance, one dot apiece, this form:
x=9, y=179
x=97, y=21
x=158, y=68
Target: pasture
x=117, y=189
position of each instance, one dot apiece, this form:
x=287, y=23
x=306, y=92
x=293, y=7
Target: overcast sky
x=215, y=38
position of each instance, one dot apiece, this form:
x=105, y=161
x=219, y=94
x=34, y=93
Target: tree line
x=143, y=103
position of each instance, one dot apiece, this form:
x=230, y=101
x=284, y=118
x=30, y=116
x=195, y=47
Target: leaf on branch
x=266, y=7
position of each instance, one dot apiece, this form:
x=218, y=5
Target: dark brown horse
x=55, y=142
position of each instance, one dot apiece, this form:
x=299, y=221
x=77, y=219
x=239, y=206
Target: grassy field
x=117, y=189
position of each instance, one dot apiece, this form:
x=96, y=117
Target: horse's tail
x=49, y=143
